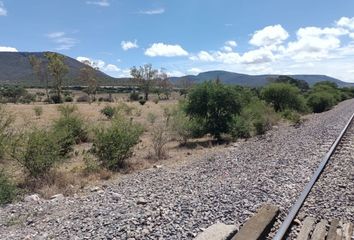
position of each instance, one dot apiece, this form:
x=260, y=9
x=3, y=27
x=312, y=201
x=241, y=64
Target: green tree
x=213, y=105
x=145, y=76
x=58, y=70
x=39, y=69
x=283, y=96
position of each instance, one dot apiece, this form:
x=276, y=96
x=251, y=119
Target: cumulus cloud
x=101, y=3
x=229, y=46
x=346, y=22
x=270, y=35
x=62, y=40
x=108, y=68
x=126, y=45
x=3, y=11
x=203, y=56
x=315, y=43
x=261, y=55
x=7, y=49
x=165, y=50
x=153, y=11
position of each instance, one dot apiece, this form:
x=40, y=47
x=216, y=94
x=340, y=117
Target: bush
x=283, y=96
x=37, y=151
x=8, y=190
x=55, y=99
x=182, y=127
x=73, y=126
x=65, y=140
x=28, y=98
x=255, y=119
x=6, y=120
x=108, y=111
x=142, y=101
x=38, y=111
x=321, y=101
x=292, y=116
x=156, y=100
x=68, y=99
x=160, y=138
x=151, y=117
x=105, y=99
x=67, y=109
x=83, y=98
x=134, y=96
x=213, y=104
x=113, y=144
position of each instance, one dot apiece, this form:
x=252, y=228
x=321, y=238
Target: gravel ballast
x=179, y=202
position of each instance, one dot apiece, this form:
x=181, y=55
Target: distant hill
x=15, y=69
x=254, y=80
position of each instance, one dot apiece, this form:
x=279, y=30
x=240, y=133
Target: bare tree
x=88, y=75
x=39, y=69
x=163, y=84
x=145, y=76
x=58, y=70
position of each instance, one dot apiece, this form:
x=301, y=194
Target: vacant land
x=72, y=172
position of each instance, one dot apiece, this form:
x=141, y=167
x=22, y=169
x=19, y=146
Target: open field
x=71, y=173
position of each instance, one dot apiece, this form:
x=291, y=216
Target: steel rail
x=296, y=207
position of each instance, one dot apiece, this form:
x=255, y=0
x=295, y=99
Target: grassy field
x=70, y=176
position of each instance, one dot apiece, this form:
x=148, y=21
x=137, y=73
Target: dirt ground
x=70, y=173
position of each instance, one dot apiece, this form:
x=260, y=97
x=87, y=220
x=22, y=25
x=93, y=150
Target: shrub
x=181, y=126
x=65, y=140
x=73, y=125
x=67, y=109
x=151, y=118
x=160, y=138
x=37, y=151
x=124, y=108
x=83, y=98
x=213, y=104
x=255, y=119
x=156, y=100
x=91, y=164
x=292, y=116
x=38, y=111
x=28, y=98
x=7, y=189
x=68, y=99
x=108, y=111
x=283, y=96
x=142, y=101
x=55, y=99
x=113, y=144
x=6, y=120
x=134, y=96
x=240, y=127
x=105, y=99
x=321, y=101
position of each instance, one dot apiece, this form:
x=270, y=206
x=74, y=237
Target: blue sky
x=188, y=36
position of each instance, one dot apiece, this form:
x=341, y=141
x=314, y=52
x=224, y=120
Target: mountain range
x=15, y=69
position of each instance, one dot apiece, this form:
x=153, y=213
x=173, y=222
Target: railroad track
x=328, y=198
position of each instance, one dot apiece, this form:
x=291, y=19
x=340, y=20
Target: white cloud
x=126, y=45
x=3, y=11
x=346, y=22
x=165, y=50
x=7, y=49
x=175, y=73
x=315, y=43
x=227, y=57
x=101, y=3
x=351, y=35
x=270, y=35
x=231, y=43
x=261, y=55
x=203, y=56
x=153, y=11
x=107, y=68
x=62, y=40
x=195, y=71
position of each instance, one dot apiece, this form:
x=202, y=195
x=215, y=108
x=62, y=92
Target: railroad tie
x=320, y=231
x=306, y=229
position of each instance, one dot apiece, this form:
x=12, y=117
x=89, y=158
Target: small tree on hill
x=145, y=76
x=58, y=70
